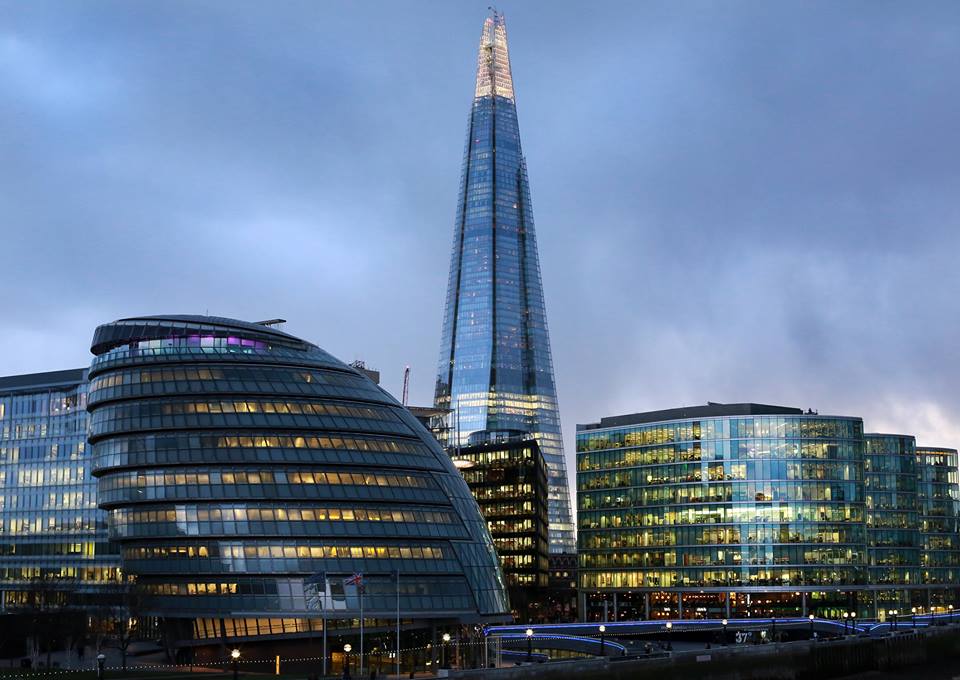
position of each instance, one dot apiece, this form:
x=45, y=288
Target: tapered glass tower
x=495, y=372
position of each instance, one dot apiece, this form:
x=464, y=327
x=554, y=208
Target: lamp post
x=724, y=624
x=811, y=625
x=894, y=613
x=100, y=659
x=846, y=615
x=529, y=645
x=235, y=656
x=853, y=623
x=773, y=633
x=913, y=616
x=670, y=636
x=950, y=613
x=603, y=629
x=443, y=651
x=346, y=659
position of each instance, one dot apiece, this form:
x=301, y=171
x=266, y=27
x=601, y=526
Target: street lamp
x=670, y=635
x=773, y=619
x=529, y=645
x=913, y=616
x=100, y=659
x=950, y=613
x=811, y=625
x=346, y=659
x=895, y=613
x=846, y=615
x=235, y=655
x=443, y=651
x=724, y=623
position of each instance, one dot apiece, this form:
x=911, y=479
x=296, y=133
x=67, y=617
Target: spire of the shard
x=493, y=59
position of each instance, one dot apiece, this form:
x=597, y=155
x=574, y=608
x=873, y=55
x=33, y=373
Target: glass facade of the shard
x=495, y=371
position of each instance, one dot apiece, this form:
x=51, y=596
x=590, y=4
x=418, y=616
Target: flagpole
x=398, y=623
x=324, y=610
x=361, y=625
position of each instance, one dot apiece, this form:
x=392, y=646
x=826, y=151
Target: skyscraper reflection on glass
x=495, y=371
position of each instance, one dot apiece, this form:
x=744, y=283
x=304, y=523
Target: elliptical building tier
x=241, y=467
x=495, y=371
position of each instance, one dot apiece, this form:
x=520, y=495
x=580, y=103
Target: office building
x=495, y=373
x=248, y=475
x=509, y=481
x=755, y=510
x=54, y=551
x=939, y=530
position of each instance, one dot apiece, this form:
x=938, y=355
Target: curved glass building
x=248, y=474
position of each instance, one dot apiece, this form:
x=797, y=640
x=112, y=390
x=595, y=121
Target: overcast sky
x=754, y=201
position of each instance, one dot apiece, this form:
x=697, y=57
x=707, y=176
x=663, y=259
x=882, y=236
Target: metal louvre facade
x=495, y=370
x=238, y=462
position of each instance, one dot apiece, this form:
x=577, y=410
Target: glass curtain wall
x=495, y=370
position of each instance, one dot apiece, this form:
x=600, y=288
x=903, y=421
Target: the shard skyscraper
x=496, y=373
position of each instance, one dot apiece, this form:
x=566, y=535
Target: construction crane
x=406, y=385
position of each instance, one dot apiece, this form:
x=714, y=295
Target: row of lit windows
x=52, y=523
x=738, y=535
x=106, y=574
x=718, y=577
x=70, y=450
x=256, y=406
x=737, y=514
x=721, y=450
x=723, y=428
x=189, y=373
x=704, y=557
x=188, y=341
x=725, y=492
x=192, y=479
x=766, y=470
x=194, y=513
x=237, y=551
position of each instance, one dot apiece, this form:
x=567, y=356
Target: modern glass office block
x=53, y=539
x=248, y=474
x=509, y=481
x=893, y=509
x=756, y=510
x=495, y=370
x=939, y=528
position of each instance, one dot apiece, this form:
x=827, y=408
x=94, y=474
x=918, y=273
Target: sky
x=735, y=201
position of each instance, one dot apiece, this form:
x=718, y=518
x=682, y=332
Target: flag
x=355, y=580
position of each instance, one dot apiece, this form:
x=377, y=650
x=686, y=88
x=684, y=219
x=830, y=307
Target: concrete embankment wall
x=786, y=661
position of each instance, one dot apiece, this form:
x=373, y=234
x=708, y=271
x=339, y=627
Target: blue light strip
x=575, y=638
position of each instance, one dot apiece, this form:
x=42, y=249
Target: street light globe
x=446, y=637
x=913, y=610
x=101, y=657
x=529, y=632
x=724, y=622
x=235, y=654
x=853, y=615
x=603, y=628
x=669, y=625
x=846, y=615
x=347, y=648
x=810, y=617
x=950, y=607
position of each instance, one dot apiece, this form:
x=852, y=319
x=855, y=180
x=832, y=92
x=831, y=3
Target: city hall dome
x=248, y=475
